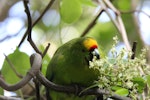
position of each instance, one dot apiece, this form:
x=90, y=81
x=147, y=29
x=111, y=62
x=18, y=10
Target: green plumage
x=70, y=65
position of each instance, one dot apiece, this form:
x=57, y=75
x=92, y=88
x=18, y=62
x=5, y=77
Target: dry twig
x=26, y=33
x=91, y=25
x=118, y=23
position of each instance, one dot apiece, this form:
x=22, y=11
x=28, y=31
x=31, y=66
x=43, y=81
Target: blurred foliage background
x=65, y=20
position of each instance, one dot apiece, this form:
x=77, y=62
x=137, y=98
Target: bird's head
x=91, y=46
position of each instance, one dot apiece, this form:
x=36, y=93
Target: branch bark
x=36, y=60
x=70, y=89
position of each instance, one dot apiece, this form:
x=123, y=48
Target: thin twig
x=124, y=33
x=110, y=5
x=47, y=7
x=91, y=25
x=12, y=66
x=134, y=50
x=29, y=28
x=26, y=33
x=109, y=15
x=134, y=11
x=46, y=49
x=119, y=24
x=36, y=65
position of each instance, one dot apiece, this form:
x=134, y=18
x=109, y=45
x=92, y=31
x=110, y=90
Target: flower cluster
x=124, y=76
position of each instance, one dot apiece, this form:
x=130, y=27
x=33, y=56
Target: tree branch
x=70, y=89
x=36, y=61
x=37, y=87
x=46, y=49
x=134, y=11
x=47, y=7
x=119, y=23
x=26, y=33
x=91, y=25
x=29, y=28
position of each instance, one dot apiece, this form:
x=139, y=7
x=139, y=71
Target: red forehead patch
x=93, y=47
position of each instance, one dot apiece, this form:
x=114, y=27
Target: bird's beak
x=95, y=52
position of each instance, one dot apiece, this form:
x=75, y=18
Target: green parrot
x=70, y=66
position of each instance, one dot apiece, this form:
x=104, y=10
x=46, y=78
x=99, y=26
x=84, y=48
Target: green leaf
x=70, y=10
x=122, y=4
x=115, y=88
x=20, y=62
x=148, y=80
x=141, y=83
x=122, y=92
x=87, y=2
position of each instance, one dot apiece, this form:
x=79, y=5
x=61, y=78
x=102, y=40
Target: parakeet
x=70, y=65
